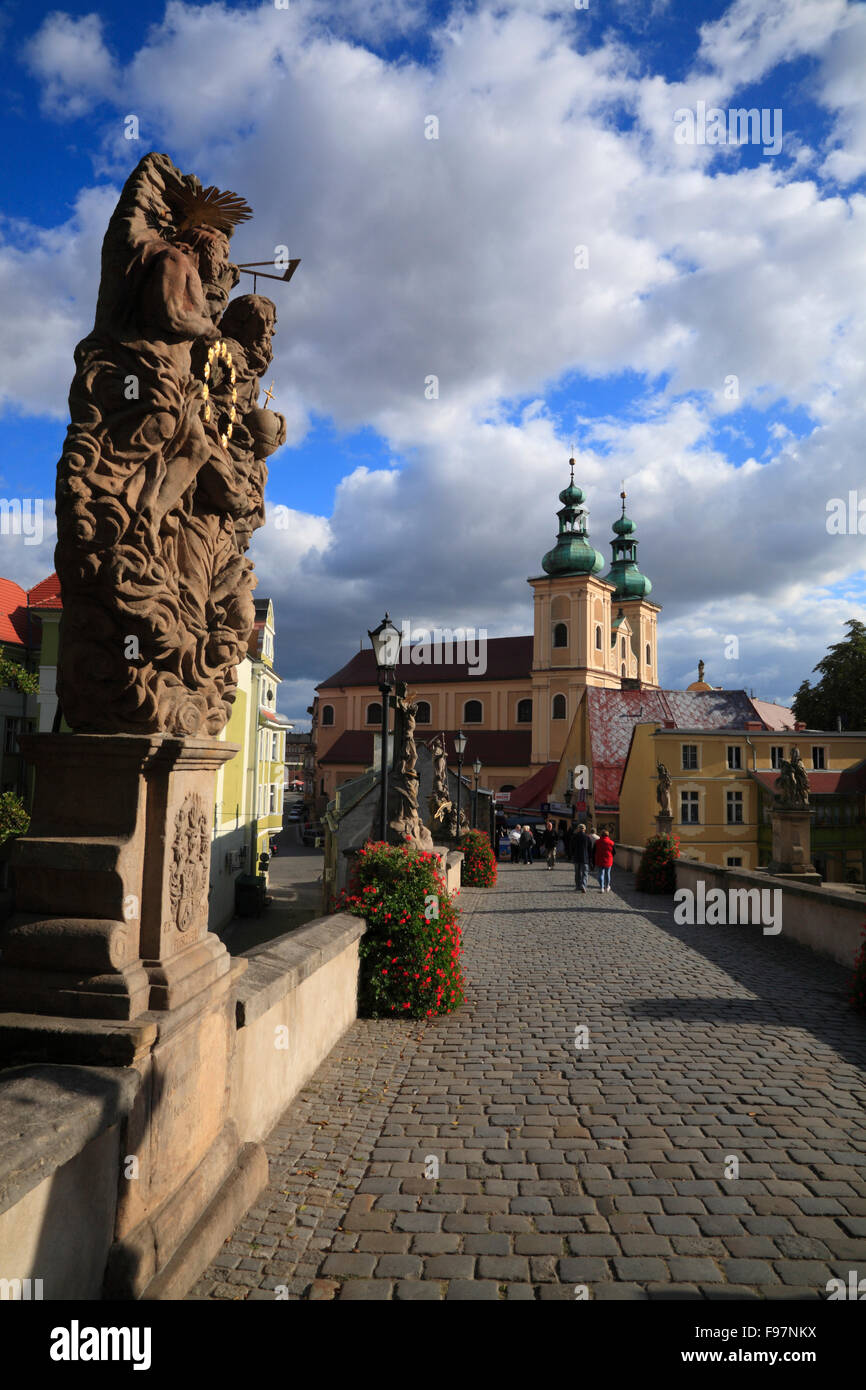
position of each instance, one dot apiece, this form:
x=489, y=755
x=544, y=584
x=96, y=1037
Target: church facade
x=519, y=707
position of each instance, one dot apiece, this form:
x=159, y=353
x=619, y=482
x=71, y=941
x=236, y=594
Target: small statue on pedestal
x=663, y=790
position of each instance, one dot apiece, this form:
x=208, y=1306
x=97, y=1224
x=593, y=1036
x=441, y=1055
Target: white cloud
x=71, y=60
x=455, y=257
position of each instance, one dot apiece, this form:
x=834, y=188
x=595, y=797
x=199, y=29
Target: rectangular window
x=777, y=753
x=734, y=757
x=735, y=808
x=818, y=760
x=690, y=756
x=10, y=743
x=733, y=861
x=689, y=808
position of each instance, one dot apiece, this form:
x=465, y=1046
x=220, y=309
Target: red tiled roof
x=495, y=747
x=534, y=790
x=847, y=781
x=508, y=658
x=46, y=594
x=774, y=716
x=13, y=613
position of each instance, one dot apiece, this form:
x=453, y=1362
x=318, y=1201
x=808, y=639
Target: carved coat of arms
x=190, y=854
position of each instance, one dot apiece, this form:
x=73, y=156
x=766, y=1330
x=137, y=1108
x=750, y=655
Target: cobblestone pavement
x=560, y=1167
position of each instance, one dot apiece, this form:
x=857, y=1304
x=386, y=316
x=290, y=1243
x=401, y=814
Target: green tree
x=841, y=691
x=14, y=820
x=16, y=677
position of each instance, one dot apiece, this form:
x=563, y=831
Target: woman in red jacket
x=603, y=860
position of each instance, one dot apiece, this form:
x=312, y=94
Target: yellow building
x=248, y=812
x=722, y=785
x=269, y=731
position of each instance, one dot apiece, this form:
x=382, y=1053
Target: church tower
x=635, y=624
x=574, y=638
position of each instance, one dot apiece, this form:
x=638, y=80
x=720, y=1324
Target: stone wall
x=64, y=1130
x=826, y=919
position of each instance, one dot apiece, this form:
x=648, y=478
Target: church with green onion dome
x=589, y=630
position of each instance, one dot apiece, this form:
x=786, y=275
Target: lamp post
x=476, y=768
x=386, y=646
x=460, y=748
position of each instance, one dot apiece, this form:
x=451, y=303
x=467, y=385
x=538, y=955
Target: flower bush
x=410, y=952
x=657, y=869
x=857, y=997
x=479, y=861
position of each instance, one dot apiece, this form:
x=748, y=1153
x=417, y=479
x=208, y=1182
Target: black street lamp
x=460, y=747
x=386, y=648
x=476, y=768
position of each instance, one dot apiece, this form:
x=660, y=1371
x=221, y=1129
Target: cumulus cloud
x=70, y=58
x=455, y=258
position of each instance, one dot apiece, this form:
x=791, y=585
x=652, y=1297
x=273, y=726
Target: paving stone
x=419, y=1291
x=473, y=1290
x=361, y=1290
x=449, y=1267
x=612, y=1157
x=399, y=1267
x=642, y=1268
x=749, y=1272
x=359, y=1265
x=584, y=1269
x=497, y=1243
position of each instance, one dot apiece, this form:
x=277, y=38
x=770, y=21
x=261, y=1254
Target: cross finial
x=269, y=396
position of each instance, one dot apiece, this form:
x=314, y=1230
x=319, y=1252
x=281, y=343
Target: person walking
x=603, y=860
x=514, y=840
x=549, y=841
x=527, y=844
x=582, y=856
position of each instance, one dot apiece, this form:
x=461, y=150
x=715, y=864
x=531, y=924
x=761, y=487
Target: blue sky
x=454, y=257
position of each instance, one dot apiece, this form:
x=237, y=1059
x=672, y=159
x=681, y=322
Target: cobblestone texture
x=559, y=1167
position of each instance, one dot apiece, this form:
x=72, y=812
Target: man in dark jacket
x=582, y=855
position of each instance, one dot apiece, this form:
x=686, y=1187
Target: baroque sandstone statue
x=663, y=790
x=162, y=476
x=793, y=782
x=403, y=818
x=439, y=801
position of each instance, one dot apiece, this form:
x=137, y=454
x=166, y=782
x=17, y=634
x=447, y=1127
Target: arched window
x=598, y=637
x=622, y=646
x=649, y=657
x=473, y=712
x=560, y=635
x=559, y=706
x=622, y=672
x=524, y=711
x=422, y=715
x=327, y=715
x=509, y=787
x=374, y=713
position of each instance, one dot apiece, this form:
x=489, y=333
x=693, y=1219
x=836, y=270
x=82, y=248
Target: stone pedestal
x=792, y=845
x=664, y=823
x=111, y=879
x=108, y=959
